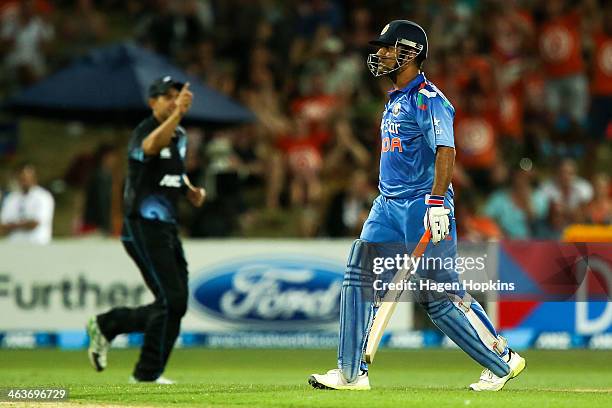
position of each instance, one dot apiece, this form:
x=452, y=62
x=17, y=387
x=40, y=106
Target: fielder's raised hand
x=184, y=100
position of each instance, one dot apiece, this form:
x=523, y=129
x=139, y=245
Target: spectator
x=350, y=206
x=219, y=216
x=518, y=211
x=315, y=104
x=27, y=213
x=172, y=29
x=560, y=43
x=599, y=210
x=601, y=79
x=304, y=159
x=25, y=39
x=471, y=226
x=567, y=195
x=360, y=31
x=84, y=27
x=299, y=66
x=313, y=14
x=347, y=149
x=476, y=139
x=342, y=70
x=98, y=199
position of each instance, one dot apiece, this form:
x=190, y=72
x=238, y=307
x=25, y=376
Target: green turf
x=277, y=378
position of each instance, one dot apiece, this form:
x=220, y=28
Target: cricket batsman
x=416, y=167
x=156, y=179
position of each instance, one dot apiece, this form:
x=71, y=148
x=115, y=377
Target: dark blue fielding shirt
x=154, y=183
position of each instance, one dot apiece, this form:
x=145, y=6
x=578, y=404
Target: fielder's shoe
x=98, y=345
x=490, y=382
x=158, y=380
x=334, y=380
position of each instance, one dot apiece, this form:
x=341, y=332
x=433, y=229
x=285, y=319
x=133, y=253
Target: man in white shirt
x=27, y=213
x=568, y=189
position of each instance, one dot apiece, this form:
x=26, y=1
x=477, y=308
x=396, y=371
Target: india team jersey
x=417, y=119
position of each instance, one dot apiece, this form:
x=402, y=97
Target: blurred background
x=531, y=82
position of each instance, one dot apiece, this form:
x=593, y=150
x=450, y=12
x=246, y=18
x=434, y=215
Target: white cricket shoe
x=334, y=380
x=490, y=382
x=98, y=345
x=159, y=380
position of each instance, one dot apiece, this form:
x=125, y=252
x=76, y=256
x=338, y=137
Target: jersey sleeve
x=435, y=117
x=135, y=151
x=182, y=142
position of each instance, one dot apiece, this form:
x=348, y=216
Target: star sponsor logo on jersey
x=396, y=109
x=165, y=153
x=387, y=125
x=171, y=180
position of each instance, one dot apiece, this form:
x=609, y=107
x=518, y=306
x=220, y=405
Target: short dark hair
x=21, y=166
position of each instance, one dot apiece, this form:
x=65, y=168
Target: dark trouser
x=601, y=112
x=157, y=250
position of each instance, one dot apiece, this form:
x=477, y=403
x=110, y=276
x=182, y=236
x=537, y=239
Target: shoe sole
x=320, y=386
x=317, y=385
x=133, y=380
x=520, y=368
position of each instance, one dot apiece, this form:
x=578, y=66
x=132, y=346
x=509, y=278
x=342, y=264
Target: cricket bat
x=389, y=302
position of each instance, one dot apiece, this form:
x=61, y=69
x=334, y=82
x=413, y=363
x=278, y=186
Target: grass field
x=277, y=378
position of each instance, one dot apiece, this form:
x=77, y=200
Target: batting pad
x=469, y=333
x=356, y=308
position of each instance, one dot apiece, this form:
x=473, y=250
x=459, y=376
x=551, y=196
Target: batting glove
x=436, y=218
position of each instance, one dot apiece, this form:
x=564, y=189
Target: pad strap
x=497, y=344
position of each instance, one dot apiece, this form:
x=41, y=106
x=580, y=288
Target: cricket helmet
x=410, y=41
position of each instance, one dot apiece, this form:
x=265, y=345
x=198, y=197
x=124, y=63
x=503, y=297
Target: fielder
x=155, y=181
x=416, y=167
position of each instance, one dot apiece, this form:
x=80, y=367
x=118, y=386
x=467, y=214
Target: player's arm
x=7, y=226
x=161, y=136
x=195, y=195
x=26, y=225
x=436, y=122
x=443, y=173
x=436, y=216
x=44, y=214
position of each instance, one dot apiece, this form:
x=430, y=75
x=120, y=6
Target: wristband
x=434, y=200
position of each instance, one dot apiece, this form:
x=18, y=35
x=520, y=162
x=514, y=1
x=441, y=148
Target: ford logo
x=271, y=291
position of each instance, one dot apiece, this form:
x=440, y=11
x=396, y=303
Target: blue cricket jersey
x=417, y=119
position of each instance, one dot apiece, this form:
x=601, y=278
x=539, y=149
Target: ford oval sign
x=281, y=293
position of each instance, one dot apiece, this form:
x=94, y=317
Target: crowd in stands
x=531, y=82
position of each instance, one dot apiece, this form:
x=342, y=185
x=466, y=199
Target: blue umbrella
x=110, y=85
